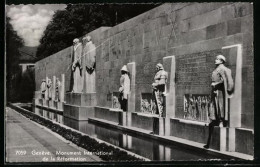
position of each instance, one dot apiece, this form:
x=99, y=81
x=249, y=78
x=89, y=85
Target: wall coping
x=191, y=122
x=146, y=115
x=246, y=129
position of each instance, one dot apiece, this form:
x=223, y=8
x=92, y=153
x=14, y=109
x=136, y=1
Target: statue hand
x=213, y=84
x=154, y=85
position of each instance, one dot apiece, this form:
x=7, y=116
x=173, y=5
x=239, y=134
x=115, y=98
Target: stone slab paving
x=27, y=141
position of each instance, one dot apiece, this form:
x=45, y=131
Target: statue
x=49, y=87
x=89, y=53
x=43, y=88
x=124, y=88
x=77, y=67
x=159, y=88
x=222, y=89
x=57, y=89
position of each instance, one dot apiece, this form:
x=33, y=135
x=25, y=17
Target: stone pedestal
x=218, y=139
x=45, y=103
x=129, y=119
x=111, y=114
x=167, y=124
x=80, y=106
x=51, y=104
x=82, y=126
x=124, y=119
x=162, y=126
x=144, y=121
x=35, y=101
x=40, y=102
x=81, y=99
x=37, y=94
x=59, y=105
x=36, y=110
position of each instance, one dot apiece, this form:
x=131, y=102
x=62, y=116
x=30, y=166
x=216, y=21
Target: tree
x=13, y=42
x=80, y=19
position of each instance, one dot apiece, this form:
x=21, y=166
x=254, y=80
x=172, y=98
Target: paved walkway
x=27, y=141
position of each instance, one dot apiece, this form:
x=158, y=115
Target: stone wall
x=193, y=32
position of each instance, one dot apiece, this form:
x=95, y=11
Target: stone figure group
x=196, y=107
x=83, y=66
x=47, y=88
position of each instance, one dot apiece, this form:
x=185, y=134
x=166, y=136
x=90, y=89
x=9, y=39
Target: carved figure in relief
x=222, y=89
x=124, y=88
x=116, y=103
x=89, y=54
x=43, y=88
x=159, y=88
x=77, y=67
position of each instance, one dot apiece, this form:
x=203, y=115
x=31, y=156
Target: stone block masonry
x=193, y=32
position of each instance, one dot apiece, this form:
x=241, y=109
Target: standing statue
x=57, y=89
x=159, y=88
x=49, y=87
x=43, y=88
x=222, y=89
x=124, y=88
x=77, y=67
x=89, y=53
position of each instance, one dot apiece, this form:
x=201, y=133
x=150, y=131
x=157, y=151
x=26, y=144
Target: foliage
x=77, y=20
x=13, y=42
x=26, y=86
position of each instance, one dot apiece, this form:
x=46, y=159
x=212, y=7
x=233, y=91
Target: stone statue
x=77, y=67
x=57, y=89
x=222, y=89
x=159, y=88
x=43, y=88
x=49, y=87
x=89, y=53
x=124, y=88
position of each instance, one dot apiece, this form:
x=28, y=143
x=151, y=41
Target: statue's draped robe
x=89, y=53
x=160, y=79
x=77, y=69
x=220, y=93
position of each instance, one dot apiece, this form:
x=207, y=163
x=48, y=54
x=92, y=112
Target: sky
x=30, y=21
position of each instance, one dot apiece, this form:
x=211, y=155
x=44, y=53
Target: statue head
x=124, y=69
x=220, y=59
x=159, y=66
x=87, y=38
x=75, y=41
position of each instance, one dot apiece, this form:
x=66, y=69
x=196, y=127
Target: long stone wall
x=193, y=32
